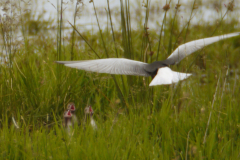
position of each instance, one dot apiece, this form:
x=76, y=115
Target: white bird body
x=166, y=76
x=159, y=70
x=93, y=123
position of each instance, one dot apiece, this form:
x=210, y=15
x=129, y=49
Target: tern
x=89, y=111
x=72, y=108
x=159, y=70
x=67, y=123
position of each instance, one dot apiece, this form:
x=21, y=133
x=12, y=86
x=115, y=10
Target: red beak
x=90, y=110
x=72, y=108
x=69, y=113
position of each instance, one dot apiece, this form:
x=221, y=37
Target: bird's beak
x=90, y=110
x=72, y=107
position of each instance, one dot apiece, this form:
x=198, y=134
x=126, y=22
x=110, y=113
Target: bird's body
x=93, y=123
x=159, y=70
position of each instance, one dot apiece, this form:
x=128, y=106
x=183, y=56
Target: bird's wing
x=166, y=76
x=185, y=49
x=109, y=65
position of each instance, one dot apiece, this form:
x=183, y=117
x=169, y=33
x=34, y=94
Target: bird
x=159, y=70
x=72, y=108
x=67, y=123
x=89, y=113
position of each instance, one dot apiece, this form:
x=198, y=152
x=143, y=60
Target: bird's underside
x=159, y=70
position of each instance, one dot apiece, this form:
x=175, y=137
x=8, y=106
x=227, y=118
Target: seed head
x=230, y=6
x=166, y=7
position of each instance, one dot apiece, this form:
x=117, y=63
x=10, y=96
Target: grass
x=134, y=121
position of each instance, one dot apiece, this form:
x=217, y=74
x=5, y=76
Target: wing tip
x=66, y=62
x=59, y=62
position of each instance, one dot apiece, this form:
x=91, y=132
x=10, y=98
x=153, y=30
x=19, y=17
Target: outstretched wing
x=109, y=65
x=185, y=49
x=166, y=76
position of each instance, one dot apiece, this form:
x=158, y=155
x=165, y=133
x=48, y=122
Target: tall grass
x=195, y=119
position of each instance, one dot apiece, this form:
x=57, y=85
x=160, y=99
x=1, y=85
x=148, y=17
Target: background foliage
x=195, y=119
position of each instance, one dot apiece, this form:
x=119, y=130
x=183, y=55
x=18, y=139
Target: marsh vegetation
x=194, y=119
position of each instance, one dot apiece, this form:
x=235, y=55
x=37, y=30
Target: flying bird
x=159, y=70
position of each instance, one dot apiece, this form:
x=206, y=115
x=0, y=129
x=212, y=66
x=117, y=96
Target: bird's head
x=88, y=110
x=67, y=114
x=91, y=110
x=71, y=107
